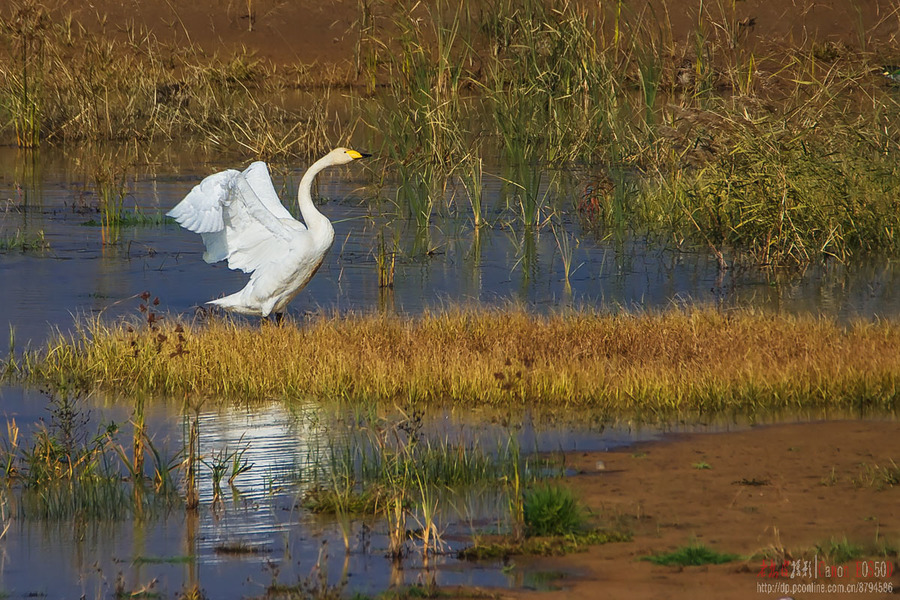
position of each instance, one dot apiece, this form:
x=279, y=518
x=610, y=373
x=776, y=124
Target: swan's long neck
x=315, y=221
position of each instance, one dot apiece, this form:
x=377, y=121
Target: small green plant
x=839, y=551
x=567, y=244
x=24, y=242
x=552, y=510
x=701, y=466
x=691, y=555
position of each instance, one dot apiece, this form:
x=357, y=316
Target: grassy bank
x=650, y=365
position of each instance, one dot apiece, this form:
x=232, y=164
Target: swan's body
x=241, y=220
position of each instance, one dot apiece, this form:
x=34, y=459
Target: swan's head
x=342, y=156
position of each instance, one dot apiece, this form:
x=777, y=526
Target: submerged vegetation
x=24, y=242
x=648, y=366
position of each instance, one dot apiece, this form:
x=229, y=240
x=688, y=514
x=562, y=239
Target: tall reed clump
x=21, y=90
x=530, y=86
x=110, y=179
x=421, y=117
x=788, y=190
x=557, y=55
x=644, y=365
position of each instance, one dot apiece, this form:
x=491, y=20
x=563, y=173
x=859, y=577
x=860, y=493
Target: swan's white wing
x=202, y=209
x=257, y=175
x=235, y=224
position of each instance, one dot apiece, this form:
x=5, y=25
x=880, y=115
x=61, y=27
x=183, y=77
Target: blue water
x=447, y=263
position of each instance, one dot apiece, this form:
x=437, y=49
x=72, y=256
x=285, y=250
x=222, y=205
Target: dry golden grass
x=642, y=365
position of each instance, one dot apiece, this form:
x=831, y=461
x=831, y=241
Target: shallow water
x=447, y=264
x=282, y=543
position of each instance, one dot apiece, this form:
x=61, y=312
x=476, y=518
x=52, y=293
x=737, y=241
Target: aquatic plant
x=385, y=261
x=420, y=118
x=110, y=184
x=224, y=462
x=63, y=469
x=392, y=469
x=567, y=244
x=758, y=155
x=24, y=242
x=784, y=193
x=191, y=461
x=25, y=30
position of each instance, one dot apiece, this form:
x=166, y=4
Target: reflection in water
x=277, y=540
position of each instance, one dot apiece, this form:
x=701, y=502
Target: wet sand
x=770, y=489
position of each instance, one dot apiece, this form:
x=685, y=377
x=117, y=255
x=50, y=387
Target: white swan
x=241, y=220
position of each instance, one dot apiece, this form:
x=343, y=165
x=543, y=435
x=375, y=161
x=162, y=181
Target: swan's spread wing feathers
x=257, y=175
x=202, y=209
x=235, y=224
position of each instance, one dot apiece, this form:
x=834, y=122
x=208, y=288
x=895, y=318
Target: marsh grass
x=766, y=154
x=69, y=465
x=370, y=469
x=758, y=154
x=839, y=551
x=410, y=480
x=24, y=30
x=130, y=217
x=831, y=192
x=60, y=83
x=647, y=366
x=63, y=469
